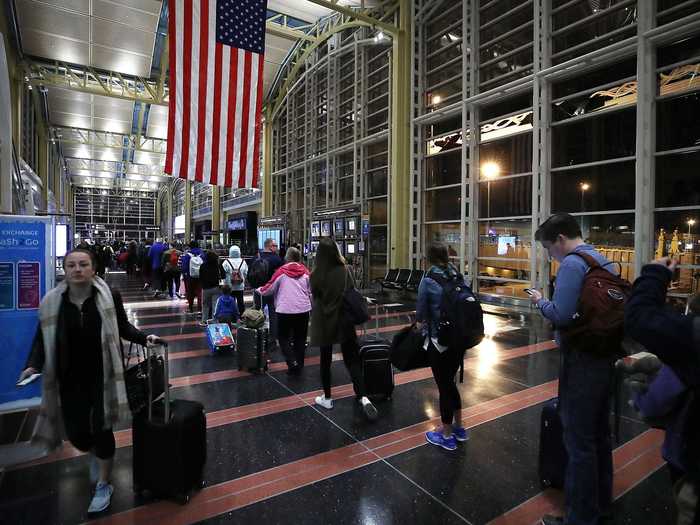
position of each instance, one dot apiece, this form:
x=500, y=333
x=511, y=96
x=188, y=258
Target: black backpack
x=259, y=273
x=461, y=321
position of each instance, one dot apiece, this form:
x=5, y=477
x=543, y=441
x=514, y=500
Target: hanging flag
x=216, y=50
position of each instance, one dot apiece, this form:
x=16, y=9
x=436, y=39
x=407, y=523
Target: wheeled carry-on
x=220, y=337
x=553, y=456
x=169, y=446
x=252, y=348
x=377, y=372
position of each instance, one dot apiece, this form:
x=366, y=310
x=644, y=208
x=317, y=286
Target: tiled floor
x=276, y=458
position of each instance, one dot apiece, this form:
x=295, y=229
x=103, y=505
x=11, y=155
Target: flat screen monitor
x=315, y=229
x=325, y=228
x=61, y=240
x=350, y=248
x=275, y=234
x=505, y=243
x=314, y=246
x=351, y=226
x=339, y=228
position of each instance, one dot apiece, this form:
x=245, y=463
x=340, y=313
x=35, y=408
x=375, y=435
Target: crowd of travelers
x=591, y=309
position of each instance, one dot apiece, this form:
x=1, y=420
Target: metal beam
x=88, y=80
x=357, y=14
x=278, y=27
x=105, y=139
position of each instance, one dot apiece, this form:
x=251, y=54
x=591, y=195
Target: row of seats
x=402, y=279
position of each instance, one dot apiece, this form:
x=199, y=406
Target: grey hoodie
x=233, y=262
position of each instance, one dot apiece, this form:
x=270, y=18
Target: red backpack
x=599, y=321
x=174, y=258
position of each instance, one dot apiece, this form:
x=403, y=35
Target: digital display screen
x=339, y=227
x=315, y=229
x=314, y=246
x=275, y=234
x=505, y=244
x=238, y=224
x=326, y=229
x=61, y=240
x=351, y=225
x=350, y=247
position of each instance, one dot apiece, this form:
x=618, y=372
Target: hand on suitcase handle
x=153, y=340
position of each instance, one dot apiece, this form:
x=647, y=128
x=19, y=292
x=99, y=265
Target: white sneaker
x=369, y=409
x=324, y=402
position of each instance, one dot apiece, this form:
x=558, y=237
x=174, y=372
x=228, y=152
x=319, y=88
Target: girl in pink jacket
x=290, y=287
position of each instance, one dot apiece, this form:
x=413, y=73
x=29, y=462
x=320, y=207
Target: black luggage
x=169, y=446
x=252, y=348
x=407, y=352
x=377, y=372
x=553, y=456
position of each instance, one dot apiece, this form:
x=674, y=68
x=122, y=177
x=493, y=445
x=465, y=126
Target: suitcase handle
x=166, y=380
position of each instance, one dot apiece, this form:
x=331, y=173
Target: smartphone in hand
x=528, y=291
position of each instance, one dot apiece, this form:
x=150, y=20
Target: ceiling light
x=436, y=100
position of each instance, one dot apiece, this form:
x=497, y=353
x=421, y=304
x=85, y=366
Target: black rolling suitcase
x=377, y=372
x=252, y=348
x=169, y=446
x=553, y=456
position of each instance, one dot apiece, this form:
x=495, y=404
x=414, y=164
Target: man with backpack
x=236, y=272
x=157, y=278
x=171, y=271
x=260, y=272
x=190, y=264
x=589, y=330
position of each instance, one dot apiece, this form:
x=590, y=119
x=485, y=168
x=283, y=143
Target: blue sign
x=26, y=248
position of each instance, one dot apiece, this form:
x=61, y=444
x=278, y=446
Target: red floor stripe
x=275, y=406
x=633, y=462
x=235, y=494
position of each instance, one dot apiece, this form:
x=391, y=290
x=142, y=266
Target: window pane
x=512, y=155
x=377, y=183
x=503, y=240
x=599, y=138
x=609, y=187
x=677, y=181
x=680, y=240
x=377, y=211
x=677, y=124
x=506, y=197
x=442, y=205
x=592, y=79
x=444, y=235
x=442, y=170
x=450, y=124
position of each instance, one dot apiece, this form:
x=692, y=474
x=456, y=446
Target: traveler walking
x=77, y=347
x=585, y=376
x=292, y=295
x=226, y=310
x=330, y=326
x=190, y=265
x=171, y=270
x=236, y=272
x=444, y=360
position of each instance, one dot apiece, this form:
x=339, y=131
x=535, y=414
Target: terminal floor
x=273, y=457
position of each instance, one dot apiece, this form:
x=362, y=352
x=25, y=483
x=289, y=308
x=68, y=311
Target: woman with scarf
x=292, y=294
x=77, y=348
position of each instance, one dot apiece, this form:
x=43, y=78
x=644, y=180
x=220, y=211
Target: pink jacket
x=292, y=295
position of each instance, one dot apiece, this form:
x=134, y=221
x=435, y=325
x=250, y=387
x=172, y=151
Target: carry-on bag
x=377, y=372
x=169, y=445
x=220, y=337
x=553, y=456
x=252, y=345
x=407, y=352
x=136, y=378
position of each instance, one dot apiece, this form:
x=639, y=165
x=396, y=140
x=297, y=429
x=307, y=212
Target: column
x=400, y=185
x=267, y=165
x=188, y=211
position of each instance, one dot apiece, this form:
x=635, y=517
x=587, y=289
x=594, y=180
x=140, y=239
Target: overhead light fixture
x=436, y=100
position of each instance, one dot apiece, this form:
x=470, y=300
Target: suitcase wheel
x=183, y=499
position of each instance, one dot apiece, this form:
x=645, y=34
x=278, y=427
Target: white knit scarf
x=47, y=432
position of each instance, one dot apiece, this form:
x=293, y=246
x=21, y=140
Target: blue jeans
x=585, y=385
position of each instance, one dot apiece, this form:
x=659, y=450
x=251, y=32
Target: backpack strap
x=592, y=263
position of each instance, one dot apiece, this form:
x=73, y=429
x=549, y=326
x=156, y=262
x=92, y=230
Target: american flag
x=216, y=87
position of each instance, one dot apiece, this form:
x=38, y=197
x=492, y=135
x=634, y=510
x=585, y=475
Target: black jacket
x=674, y=338
x=210, y=273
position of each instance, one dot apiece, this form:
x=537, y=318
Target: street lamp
x=490, y=170
x=584, y=187
x=690, y=223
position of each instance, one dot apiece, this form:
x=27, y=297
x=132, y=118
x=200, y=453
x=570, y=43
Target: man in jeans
x=585, y=381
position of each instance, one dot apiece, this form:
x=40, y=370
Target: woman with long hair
x=329, y=325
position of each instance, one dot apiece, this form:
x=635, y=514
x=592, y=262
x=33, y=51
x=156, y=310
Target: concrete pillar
x=267, y=166
x=188, y=210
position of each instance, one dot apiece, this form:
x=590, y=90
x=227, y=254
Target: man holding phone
x=585, y=379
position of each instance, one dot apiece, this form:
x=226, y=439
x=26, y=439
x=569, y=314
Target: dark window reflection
x=377, y=239
x=598, y=138
x=345, y=190
x=681, y=239
x=443, y=169
x=498, y=8
x=452, y=123
x=677, y=180
x=592, y=79
x=506, y=197
x=377, y=211
x=513, y=155
x=609, y=187
x=681, y=50
x=520, y=103
x=442, y=205
x=677, y=124
x=377, y=183
x=508, y=69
